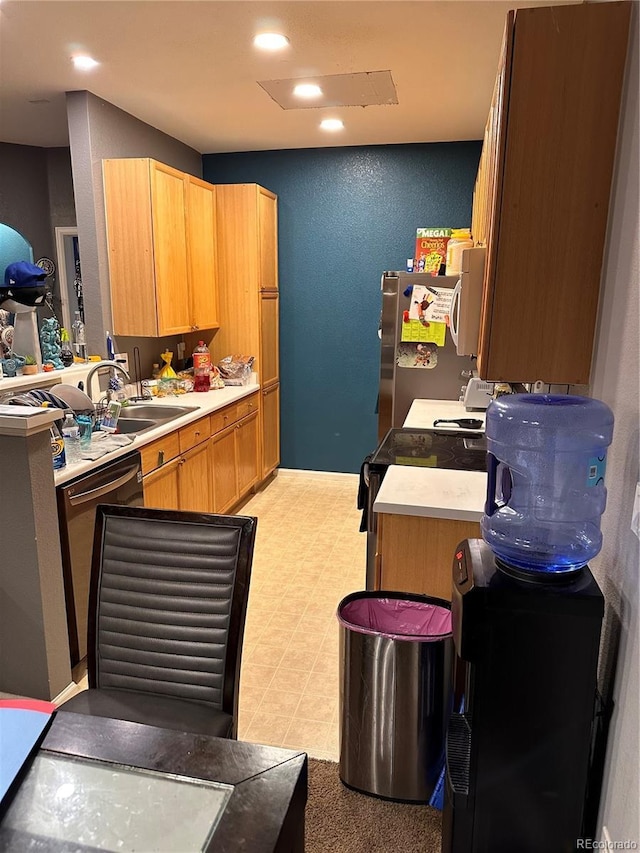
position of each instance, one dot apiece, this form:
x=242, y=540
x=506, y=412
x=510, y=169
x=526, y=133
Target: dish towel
x=103, y=443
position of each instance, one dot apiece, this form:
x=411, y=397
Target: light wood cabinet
x=194, y=481
x=270, y=429
x=234, y=462
x=247, y=453
x=224, y=477
x=415, y=554
x=246, y=228
x=161, y=245
x=161, y=486
x=542, y=195
x=201, y=248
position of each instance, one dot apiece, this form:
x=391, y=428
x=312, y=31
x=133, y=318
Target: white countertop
x=432, y=493
x=423, y=413
x=207, y=402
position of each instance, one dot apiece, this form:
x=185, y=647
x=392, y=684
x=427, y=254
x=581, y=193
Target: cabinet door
x=269, y=338
x=130, y=246
x=270, y=429
x=194, y=486
x=415, y=554
x=268, y=231
x=161, y=487
x=247, y=453
x=224, y=469
x=552, y=192
x=170, y=250
x=201, y=230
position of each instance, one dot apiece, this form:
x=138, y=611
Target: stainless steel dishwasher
x=118, y=482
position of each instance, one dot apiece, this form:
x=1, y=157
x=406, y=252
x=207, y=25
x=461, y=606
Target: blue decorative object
x=50, y=343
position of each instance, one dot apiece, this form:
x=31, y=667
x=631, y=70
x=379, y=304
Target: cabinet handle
x=197, y=433
x=181, y=461
x=160, y=457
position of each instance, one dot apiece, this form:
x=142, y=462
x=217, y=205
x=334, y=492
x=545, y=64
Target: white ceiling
x=189, y=68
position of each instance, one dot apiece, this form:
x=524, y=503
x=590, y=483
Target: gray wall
x=24, y=195
x=616, y=380
x=98, y=130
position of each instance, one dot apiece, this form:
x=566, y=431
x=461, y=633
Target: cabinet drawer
x=194, y=434
x=224, y=418
x=247, y=406
x=158, y=452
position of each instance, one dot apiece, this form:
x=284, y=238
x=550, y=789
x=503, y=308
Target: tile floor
x=309, y=554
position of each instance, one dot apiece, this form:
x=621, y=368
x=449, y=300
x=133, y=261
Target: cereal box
x=431, y=249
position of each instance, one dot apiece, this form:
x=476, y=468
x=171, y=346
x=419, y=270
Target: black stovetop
x=431, y=448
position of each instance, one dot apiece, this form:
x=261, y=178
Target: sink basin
x=139, y=418
x=159, y=414
x=135, y=425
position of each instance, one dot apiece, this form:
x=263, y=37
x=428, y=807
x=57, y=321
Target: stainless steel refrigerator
x=400, y=386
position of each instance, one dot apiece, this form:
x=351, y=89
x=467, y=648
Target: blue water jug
x=546, y=463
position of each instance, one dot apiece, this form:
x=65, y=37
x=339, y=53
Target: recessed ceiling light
x=271, y=41
x=307, y=90
x=84, y=63
x=331, y=124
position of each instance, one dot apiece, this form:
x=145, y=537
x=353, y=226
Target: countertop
x=423, y=413
x=433, y=492
x=207, y=402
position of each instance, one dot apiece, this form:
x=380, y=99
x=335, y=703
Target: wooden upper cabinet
x=161, y=242
x=542, y=197
x=170, y=249
x=201, y=246
x=268, y=239
x=247, y=269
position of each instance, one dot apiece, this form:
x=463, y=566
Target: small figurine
x=50, y=342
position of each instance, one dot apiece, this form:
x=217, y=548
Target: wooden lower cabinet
x=189, y=470
x=224, y=479
x=194, y=482
x=247, y=446
x=416, y=554
x=161, y=486
x=270, y=429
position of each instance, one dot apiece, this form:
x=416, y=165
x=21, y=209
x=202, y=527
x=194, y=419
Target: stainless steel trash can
x=395, y=676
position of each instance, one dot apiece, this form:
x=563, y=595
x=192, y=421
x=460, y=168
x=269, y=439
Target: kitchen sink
x=140, y=418
x=135, y=425
x=159, y=414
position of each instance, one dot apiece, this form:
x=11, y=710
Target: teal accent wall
x=345, y=215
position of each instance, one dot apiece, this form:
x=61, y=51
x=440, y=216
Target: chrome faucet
x=104, y=365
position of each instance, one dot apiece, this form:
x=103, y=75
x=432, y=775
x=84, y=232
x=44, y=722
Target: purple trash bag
x=396, y=618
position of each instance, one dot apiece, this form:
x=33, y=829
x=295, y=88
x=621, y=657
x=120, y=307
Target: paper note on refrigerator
x=430, y=304
x=413, y=331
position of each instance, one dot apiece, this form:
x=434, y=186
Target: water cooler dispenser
x=526, y=619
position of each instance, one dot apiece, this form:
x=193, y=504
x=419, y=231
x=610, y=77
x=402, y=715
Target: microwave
x=466, y=302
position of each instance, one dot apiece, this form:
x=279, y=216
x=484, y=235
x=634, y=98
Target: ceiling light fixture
x=84, y=63
x=271, y=41
x=331, y=124
x=307, y=90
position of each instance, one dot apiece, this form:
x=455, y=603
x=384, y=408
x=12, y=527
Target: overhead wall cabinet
x=247, y=227
x=542, y=194
x=162, y=251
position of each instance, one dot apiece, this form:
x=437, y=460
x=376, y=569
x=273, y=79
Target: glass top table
x=99, y=784
x=69, y=802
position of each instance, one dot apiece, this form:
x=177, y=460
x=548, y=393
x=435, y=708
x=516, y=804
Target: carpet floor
x=342, y=821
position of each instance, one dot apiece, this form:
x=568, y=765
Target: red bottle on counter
x=201, y=367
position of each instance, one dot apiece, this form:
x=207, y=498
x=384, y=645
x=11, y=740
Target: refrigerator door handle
x=454, y=312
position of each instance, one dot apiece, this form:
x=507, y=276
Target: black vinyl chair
x=167, y=609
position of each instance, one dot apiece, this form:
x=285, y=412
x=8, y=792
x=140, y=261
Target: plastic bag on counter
x=236, y=369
